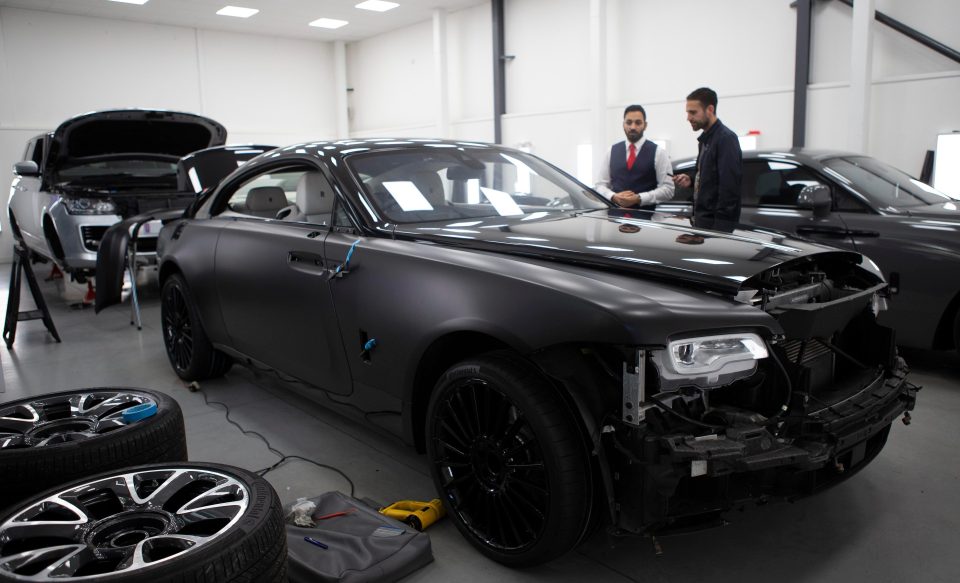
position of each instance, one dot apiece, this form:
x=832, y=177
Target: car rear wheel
x=508, y=460
x=161, y=523
x=192, y=356
x=54, y=438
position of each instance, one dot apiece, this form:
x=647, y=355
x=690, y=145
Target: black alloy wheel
x=160, y=523
x=192, y=356
x=53, y=438
x=508, y=460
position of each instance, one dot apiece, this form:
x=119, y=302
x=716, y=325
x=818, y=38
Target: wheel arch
x=53, y=237
x=944, y=337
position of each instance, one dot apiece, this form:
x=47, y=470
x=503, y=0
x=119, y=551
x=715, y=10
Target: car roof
x=800, y=154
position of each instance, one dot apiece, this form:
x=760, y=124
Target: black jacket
x=716, y=201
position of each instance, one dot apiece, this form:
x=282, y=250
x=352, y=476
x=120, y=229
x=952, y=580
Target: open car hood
x=654, y=245
x=159, y=134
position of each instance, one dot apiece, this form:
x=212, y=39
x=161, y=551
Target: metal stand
x=132, y=270
x=21, y=265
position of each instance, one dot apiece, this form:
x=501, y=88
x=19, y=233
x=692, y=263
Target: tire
x=191, y=354
x=163, y=523
x=54, y=438
x=508, y=460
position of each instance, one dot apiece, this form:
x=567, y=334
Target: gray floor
x=898, y=520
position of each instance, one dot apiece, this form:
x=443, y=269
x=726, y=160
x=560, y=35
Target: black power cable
x=283, y=457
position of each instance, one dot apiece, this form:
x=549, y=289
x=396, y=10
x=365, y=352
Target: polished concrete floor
x=896, y=521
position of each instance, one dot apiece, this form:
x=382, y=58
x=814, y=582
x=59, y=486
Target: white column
x=598, y=82
x=861, y=75
x=440, y=72
x=340, y=88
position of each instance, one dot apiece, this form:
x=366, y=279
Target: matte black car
x=96, y=169
x=562, y=362
x=909, y=229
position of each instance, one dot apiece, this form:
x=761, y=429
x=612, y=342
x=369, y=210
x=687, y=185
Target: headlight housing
x=709, y=361
x=89, y=206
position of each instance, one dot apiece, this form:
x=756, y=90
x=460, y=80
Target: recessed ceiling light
x=329, y=23
x=377, y=5
x=132, y=1
x=237, y=11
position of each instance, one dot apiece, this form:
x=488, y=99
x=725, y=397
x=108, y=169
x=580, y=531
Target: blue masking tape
x=138, y=412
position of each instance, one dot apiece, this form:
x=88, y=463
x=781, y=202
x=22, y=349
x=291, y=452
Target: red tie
x=632, y=157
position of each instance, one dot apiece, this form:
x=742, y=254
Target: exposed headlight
x=89, y=206
x=709, y=361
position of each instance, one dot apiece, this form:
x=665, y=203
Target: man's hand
x=682, y=180
x=625, y=198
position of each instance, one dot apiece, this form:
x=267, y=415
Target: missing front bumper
x=663, y=480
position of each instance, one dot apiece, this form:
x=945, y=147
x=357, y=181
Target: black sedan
x=562, y=362
x=909, y=229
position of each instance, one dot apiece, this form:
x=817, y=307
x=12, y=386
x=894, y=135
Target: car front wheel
x=192, y=356
x=508, y=460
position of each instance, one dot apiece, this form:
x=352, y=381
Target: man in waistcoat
x=716, y=188
x=636, y=172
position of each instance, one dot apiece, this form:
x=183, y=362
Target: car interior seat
x=314, y=201
x=265, y=201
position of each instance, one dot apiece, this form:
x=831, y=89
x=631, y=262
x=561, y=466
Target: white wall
x=54, y=66
x=394, y=81
x=657, y=52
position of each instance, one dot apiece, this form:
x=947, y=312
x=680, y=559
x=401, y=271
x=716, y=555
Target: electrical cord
x=283, y=457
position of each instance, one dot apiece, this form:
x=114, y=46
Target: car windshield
x=461, y=182
x=883, y=184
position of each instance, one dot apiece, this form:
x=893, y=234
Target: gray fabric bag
x=363, y=545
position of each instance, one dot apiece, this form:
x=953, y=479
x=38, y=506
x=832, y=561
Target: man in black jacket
x=716, y=189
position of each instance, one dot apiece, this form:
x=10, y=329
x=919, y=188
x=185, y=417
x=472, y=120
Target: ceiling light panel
x=141, y=2
x=329, y=23
x=237, y=11
x=377, y=5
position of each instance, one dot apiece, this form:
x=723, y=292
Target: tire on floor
x=163, y=523
x=54, y=438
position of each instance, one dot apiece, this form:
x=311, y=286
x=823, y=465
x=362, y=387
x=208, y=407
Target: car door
x=770, y=187
x=272, y=279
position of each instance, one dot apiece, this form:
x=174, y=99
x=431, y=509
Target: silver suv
x=97, y=168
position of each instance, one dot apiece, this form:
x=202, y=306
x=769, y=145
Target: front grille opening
x=91, y=236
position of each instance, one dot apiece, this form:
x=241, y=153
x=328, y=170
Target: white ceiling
x=286, y=18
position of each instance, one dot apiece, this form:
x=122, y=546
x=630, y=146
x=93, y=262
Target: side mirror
x=817, y=198
x=28, y=168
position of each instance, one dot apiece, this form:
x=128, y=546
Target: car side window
x=774, y=183
x=846, y=202
x=265, y=195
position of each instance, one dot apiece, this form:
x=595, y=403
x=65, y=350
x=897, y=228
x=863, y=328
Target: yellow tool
x=419, y=515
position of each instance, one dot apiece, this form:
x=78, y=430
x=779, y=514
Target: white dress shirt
x=661, y=162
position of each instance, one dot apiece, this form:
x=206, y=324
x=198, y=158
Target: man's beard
x=634, y=136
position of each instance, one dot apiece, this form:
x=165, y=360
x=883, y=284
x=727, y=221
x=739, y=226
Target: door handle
x=305, y=262
x=823, y=230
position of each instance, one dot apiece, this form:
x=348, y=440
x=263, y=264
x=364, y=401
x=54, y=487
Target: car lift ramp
x=21, y=266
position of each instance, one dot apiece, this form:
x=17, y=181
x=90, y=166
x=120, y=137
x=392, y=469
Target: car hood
x=655, y=245
x=132, y=131
x=945, y=210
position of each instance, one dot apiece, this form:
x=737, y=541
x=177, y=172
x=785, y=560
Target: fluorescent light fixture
x=330, y=23
x=140, y=2
x=377, y=5
x=237, y=11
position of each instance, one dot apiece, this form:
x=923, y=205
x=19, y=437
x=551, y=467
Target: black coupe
x=563, y=363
